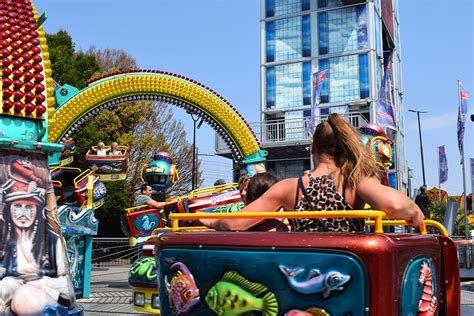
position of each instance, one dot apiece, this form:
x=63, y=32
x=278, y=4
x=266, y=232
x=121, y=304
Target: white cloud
x=432, y=123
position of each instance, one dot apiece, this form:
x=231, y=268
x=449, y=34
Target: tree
x=68, y=66
x=146, y=127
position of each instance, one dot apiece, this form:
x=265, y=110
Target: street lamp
x=195, y=119
x=421, y=143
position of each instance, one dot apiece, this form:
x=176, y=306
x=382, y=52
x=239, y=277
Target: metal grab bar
x=157, y=231
x=377, y=215
x=426, y=223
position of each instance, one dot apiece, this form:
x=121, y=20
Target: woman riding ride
x=345, y=178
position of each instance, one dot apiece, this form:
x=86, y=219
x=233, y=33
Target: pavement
x=111, y=294
x=467, y=298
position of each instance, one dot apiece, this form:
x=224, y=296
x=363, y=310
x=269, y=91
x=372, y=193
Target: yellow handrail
x=377, y=215
x=136, y=208
x=161, y=229
x=426, y=223
x=64, y=168
x=58, y=182
x=82, y=176
x=211, y=190
x=124, y=150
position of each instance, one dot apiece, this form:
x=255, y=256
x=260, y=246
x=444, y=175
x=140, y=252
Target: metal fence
x=113, y=251
x=465, y=253
x=285, y=131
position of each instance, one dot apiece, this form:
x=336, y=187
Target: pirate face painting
x=23, y=213
x=33, y=270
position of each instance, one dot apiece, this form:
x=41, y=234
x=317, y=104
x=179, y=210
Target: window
x=270, y=87
x=270, y=40
x=347, y=78
x=343, y=30
x=307, y=83
x=306, y=35
x=269, y=8
x=329, y=3
x=288, y=38
x=284, y=7
x=364, y=76
x=288, y=86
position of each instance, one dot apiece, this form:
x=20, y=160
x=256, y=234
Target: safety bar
x=426, y=223
x=82, y=176
x=58, y=182
x=64, y=168
x=163, y=229
x=211, y=190
x=377, y=215
x=121, y=148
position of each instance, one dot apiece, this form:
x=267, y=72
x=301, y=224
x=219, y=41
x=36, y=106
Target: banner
x=385, y=115
x=462, y=114
x=318, y=79
x=442, y=164
x=472, y=174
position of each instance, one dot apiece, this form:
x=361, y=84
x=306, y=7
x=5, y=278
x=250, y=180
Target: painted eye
x=336, y=279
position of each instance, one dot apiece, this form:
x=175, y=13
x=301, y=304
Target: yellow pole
x=90, y=190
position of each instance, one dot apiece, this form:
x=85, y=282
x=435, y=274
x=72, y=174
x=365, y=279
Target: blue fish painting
x=316, y=282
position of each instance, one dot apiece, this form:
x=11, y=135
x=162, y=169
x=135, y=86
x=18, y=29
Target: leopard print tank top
x=323, y=196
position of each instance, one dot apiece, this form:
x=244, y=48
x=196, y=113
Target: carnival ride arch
x=77, y=107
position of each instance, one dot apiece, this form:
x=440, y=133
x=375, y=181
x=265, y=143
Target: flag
x=385, y=115
x=318, y=79
x=442, y=164
x=462, y=114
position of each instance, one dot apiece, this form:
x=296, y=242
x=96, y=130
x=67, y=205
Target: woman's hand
x=416, y=219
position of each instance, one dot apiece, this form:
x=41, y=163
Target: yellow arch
x=172, y=88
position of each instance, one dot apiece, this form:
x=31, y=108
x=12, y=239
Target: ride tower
x=34, y=274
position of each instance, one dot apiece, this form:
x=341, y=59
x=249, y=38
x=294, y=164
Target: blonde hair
x=336, y=139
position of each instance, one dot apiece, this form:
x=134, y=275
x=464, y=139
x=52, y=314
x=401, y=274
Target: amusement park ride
x=185, y=269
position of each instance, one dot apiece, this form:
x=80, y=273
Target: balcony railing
x=285, y=132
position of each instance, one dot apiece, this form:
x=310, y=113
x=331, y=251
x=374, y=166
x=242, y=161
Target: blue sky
x=217, y=42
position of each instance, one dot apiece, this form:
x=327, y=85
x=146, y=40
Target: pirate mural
x=32, y=255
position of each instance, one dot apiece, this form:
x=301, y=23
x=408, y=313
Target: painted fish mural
x=234, y=295
x=143, y=271
x=312, y=311
x=428, y=302
x=316, y=282
x=183, y=292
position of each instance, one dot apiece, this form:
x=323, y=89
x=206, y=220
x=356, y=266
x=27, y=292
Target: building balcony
x=284, y=136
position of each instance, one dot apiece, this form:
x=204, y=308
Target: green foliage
x=145, y=127
x=438, y=210
x=68, y=66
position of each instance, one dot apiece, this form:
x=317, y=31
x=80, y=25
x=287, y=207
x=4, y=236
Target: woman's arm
x=279, y=195
x=391, y=201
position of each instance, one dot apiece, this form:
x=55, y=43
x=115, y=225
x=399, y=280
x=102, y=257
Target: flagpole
x=439, y=175
x=463, y=171
x=311, y=164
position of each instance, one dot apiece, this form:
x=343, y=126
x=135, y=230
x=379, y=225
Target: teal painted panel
x=420, y=275
x=208, y=266
x=76, y=250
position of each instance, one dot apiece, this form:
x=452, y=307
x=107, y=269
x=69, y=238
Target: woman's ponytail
x=350, y=155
